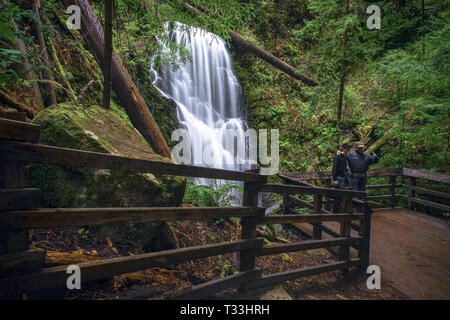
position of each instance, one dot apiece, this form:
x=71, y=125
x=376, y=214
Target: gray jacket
x=359, y=163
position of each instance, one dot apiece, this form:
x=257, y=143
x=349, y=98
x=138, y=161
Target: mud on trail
x=413, y=252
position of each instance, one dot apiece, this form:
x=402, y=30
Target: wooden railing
x=408, y=184
x=23, y=270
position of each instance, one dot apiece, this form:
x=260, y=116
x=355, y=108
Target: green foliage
x=218, y=194
x=389, y=76
x=10, y=12
x=139, y=24
x=83, y=233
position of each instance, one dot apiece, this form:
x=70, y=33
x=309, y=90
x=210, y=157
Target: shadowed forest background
x=395, y=79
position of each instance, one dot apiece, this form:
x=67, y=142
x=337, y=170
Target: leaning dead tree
x=239, y=41
x=25, y=70
x=36, y=5
x=122, y=84
x=15, y=102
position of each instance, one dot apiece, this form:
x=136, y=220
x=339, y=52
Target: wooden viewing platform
x=22, y=269
x=411, y=248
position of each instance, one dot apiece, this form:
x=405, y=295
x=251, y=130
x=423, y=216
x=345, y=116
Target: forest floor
x=68, y=247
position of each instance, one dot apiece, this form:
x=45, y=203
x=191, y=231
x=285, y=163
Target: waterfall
x=207, y=93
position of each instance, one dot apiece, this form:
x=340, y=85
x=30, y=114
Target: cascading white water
x=207, y=93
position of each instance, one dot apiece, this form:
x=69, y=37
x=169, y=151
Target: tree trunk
x=388, y=134
x=61, y=71
x=24, y=70
x=10, y=99
x=261, y=53
x=423, y=28
x=341, y=96
x=122, y=84
x=108, y=54
x=51, y=88
x=343, y=67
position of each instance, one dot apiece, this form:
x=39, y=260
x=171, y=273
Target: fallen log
x=122, y=84
x=10, y=99
x=239, y=41
x=388, y=134
x=56, y=258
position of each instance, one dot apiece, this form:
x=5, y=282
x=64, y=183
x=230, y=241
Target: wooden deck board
x=412, y=250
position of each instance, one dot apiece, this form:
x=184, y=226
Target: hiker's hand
x=334, y=183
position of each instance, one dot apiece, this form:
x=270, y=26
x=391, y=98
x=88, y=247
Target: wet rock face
x=96, y=129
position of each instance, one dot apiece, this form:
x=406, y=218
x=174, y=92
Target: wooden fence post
x=248, y=224
x=13, y=182
x=285, y=203
x=329, y=203
x=12, y=177
x=345, y=231
x=317, y=227
x=392, y=182
x=411, y=194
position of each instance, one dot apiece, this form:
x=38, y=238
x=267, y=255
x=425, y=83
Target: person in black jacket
x=339, y=172
x=359, y=162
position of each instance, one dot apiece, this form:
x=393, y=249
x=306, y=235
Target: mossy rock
x=96, y=129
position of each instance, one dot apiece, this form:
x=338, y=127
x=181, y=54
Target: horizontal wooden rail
x=329, y=231
x=19, y=198
x=285, y=188
x=300, y=203
x=420, y=201
x=422, y=174
x=280, y=277
x=21, y=151
x=426, y=191
x=14, y=115
x=305, y=204
x=19, y=131
x=209, y=288
x=64, y=217
x=379, y=186
x=55, y=277
x=376, y=198
x=326, y=175
x=308, y=218
x=306, y=245
x=21, y=262
x=431, y=204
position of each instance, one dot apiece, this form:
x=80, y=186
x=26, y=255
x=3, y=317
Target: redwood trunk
x=122, y=84
x=261, y=53
x=51, y=87
x=108, y=54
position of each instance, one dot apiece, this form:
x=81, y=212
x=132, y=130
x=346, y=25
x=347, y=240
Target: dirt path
x=412, y=250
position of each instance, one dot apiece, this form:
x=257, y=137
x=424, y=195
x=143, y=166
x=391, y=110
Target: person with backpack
x=358, y=163
x=339, y=173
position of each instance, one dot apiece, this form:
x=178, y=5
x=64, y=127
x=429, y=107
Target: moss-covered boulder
x=94, y=128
